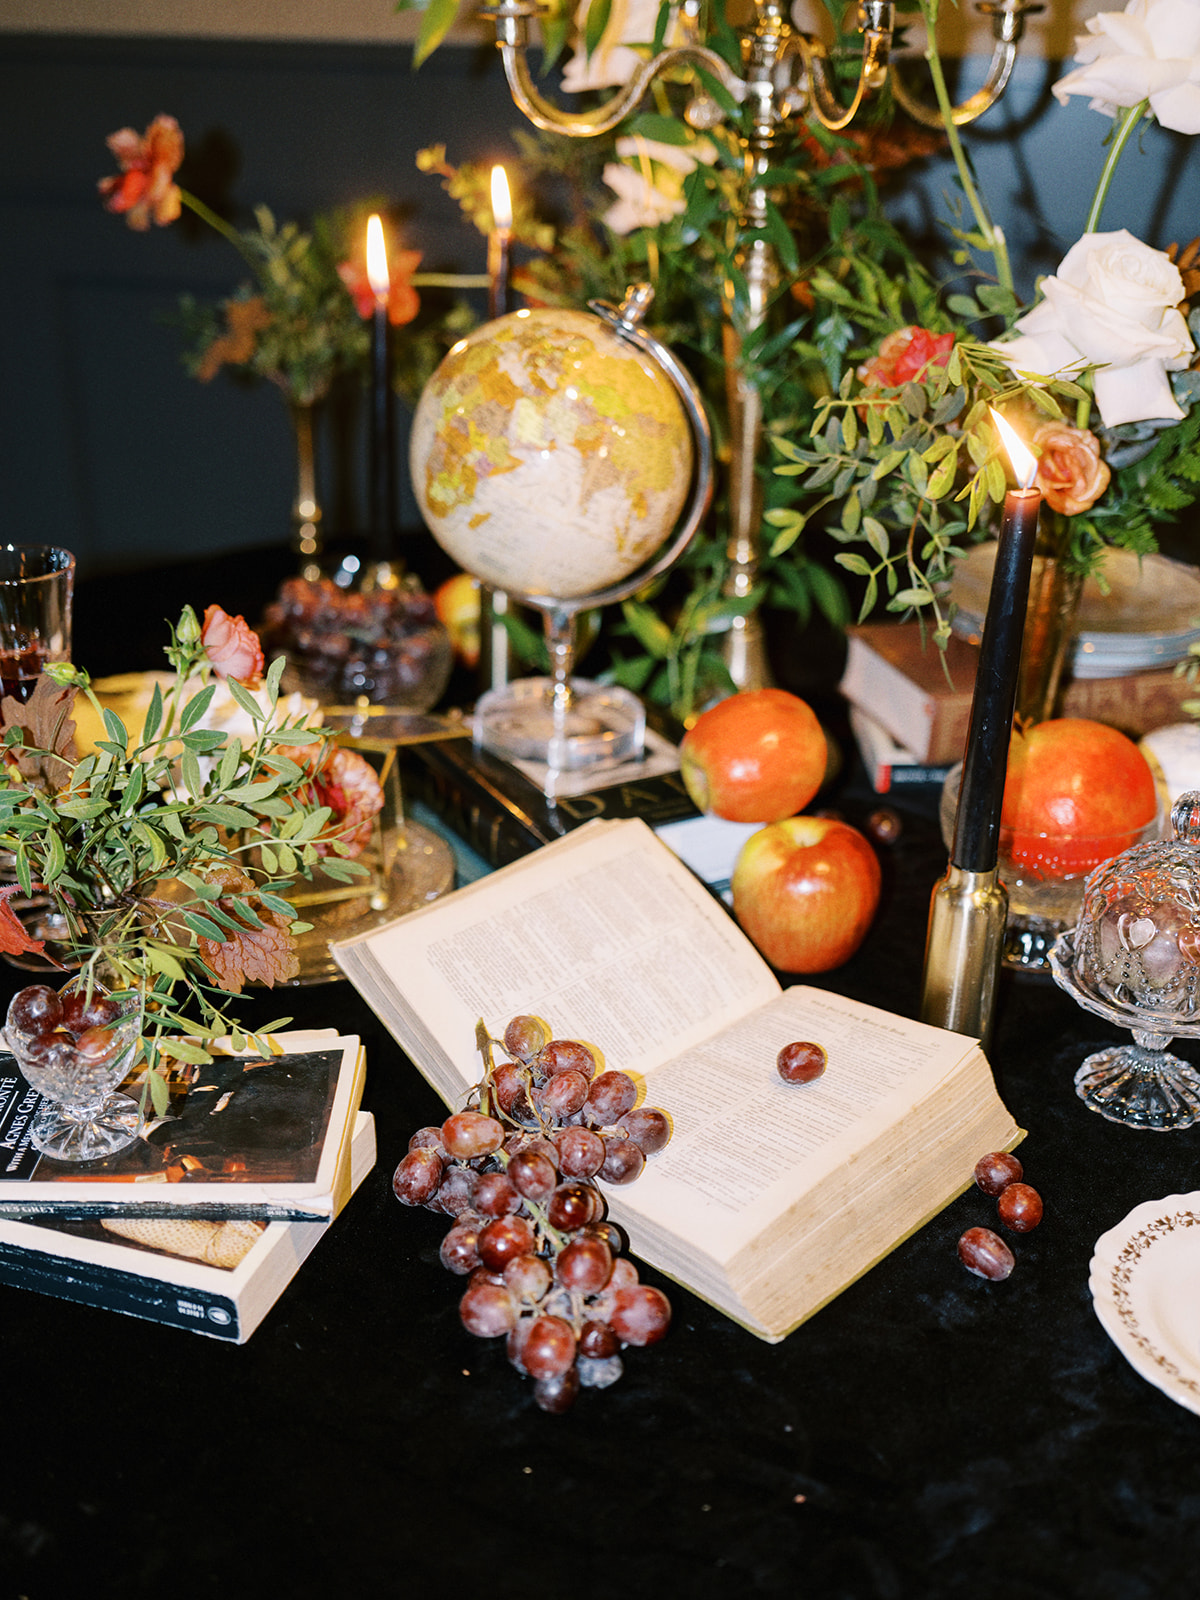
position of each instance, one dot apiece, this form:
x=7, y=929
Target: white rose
x=640, y=204
x=613, y=62
x=1149, y=51
x=1112, y=304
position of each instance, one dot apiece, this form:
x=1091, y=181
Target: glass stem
x=560, y=645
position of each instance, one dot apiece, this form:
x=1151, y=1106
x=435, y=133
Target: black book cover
x=497, y=811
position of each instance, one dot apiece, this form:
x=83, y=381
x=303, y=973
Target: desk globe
x=563, y=457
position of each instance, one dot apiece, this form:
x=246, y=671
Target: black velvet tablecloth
x=926, y=1434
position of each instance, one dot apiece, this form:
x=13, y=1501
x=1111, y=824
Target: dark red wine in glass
x=19, y=670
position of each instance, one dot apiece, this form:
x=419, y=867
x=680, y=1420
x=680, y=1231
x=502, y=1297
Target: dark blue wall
x=108, y=447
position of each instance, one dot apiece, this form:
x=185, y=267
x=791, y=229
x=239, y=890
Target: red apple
x=805, y=891
x=457, y=604
x=1077, y=793
x=756, y=757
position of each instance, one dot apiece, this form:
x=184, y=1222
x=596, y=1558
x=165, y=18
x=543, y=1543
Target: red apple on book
x=1077, y=793
x=756, y=757
x=805, y=891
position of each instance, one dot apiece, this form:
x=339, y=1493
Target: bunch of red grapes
x=517, y=1173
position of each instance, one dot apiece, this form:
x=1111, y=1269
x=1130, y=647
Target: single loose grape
x=417, y=1178
x=525, y=1037
x=470, y=1133
x=79, y=1013
x=985, y=1254
x=97, y=1044
x=801, y=1062
x=1020, y=1207
x=994, y=1172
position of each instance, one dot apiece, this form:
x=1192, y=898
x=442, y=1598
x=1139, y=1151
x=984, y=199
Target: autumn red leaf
x=265, y=955
x=14, y=937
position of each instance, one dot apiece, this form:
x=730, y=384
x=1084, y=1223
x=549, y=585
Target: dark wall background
x=108, y=447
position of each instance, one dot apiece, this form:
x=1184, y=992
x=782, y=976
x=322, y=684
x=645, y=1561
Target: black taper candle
x=382, y=454
x=985, y=765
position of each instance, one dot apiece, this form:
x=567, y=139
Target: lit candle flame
x=1024, y=462
x=501, y=200
x=377, y=262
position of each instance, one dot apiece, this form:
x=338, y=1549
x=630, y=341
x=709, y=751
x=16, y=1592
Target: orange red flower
x=905, y=356
x=231, y=646
x=144, y=190
x=403, y=300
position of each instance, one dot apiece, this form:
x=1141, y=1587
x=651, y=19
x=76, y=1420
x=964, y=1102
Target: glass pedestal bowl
x=74, y=1051
x=1133, y=958
x=1044, y=875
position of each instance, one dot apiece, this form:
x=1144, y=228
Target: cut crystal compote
x=1133, y=958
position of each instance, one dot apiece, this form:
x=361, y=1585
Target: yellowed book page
x=607, y=936
x=746, y=1145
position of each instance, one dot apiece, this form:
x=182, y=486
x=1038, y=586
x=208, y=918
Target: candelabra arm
x=876, y=19
x=1008, y=26
x=512, y=18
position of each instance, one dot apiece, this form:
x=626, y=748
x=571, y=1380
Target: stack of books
x=910, y=706
x=203, y=1221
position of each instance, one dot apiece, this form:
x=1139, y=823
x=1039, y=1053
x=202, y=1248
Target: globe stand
x=561, y=722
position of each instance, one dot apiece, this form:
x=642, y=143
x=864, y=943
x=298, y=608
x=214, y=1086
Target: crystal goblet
x=1133, y=958
x=74, y=1049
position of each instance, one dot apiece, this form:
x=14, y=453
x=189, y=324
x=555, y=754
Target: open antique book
x=770, y=1197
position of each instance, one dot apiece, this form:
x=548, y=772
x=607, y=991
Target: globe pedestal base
x=599, y=725
x=1140, y=1087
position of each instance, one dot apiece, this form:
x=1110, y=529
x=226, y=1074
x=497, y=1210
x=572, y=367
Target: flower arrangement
x=167, y=853
x=303, y=316
x=1100, y=374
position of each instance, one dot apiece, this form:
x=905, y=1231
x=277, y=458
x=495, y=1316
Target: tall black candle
x=985, y=765
x=382, y=456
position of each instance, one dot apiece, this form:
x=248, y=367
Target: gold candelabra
x=786, y=75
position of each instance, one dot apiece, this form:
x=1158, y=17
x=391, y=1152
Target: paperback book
x=770, y=1198
x=216, y=1277
x=244, y=1136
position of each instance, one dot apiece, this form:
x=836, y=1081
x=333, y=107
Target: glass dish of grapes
x=74, y=1046
x=1133, y=958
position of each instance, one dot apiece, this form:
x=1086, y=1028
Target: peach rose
x=231, y=646
x=144, y=188
x=1071, y=474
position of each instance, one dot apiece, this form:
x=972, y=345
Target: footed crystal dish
x=1133, y=958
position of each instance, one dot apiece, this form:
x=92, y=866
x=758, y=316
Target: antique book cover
x=216, y=1277
x=244, y=1136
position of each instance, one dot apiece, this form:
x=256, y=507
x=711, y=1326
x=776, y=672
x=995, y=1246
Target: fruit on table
x=1020, y=1207
x=757, y=757
x=801, y=1062
x=1077, y=793
x=995, y=1171
x=805, y=891
x=985, y=1254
